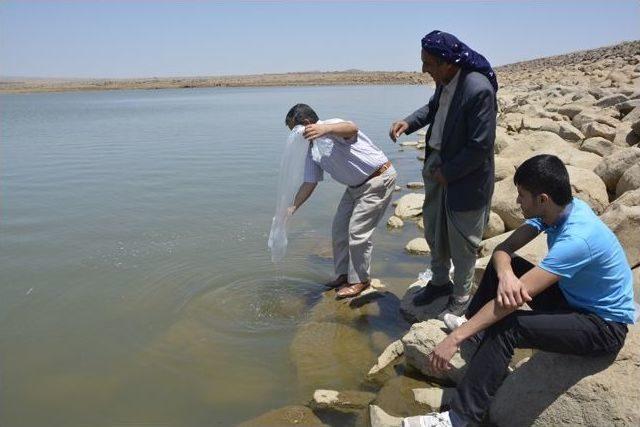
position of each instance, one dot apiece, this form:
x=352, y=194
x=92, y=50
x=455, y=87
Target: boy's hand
x=314, y=131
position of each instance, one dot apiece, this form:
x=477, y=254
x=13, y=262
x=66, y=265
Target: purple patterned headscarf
x=448, y=47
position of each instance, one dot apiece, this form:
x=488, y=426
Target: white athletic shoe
x=434, y=419
x=452, y=322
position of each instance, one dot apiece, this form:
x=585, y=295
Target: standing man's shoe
x=430, y=292
x=455, y=306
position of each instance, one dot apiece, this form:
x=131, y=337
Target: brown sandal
x=352, y=290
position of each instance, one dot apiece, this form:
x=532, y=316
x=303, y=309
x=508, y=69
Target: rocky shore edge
x=507, y=74
x=585, y=109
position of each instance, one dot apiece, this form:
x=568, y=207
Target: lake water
x=136, y=287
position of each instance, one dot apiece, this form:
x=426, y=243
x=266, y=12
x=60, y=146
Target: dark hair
x=546, y=174
x=299, y=113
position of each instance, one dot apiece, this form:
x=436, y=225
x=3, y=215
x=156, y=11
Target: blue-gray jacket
x=467, y=140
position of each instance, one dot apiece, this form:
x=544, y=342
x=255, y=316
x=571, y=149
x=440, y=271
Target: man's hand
x=291, y=210
x=314, y=131
x=439, y=177
x=441, y=355
x=397, y=129
x=511, y=291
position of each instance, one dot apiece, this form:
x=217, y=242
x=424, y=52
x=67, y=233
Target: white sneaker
x=452, y=322
x=434, y=419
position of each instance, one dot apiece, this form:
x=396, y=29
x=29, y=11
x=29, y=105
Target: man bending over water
x=348, y=155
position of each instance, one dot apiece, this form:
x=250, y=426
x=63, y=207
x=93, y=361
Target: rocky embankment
x=585, y=109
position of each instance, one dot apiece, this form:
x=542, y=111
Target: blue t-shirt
x=593, y=269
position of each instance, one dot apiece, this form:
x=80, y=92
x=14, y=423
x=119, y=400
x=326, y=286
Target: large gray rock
x=630, y=180
x=410, y=205
x=611, y=168
x=598, y=145
x=626, y=107
x=611, y=100
x=595, y=129
x=343, y=401
x=625, y=136
x=534, y=251
x=563, y=129
x=629, y=198
x=594, y=115
x=388, y=356
x=572, y=109
x=434, y=397
x=494, y=227
x=420, y=341
x=295, y=415
x=504, y=168
x=502, y=140
x=526, y=146
x=588, y=186
x=572, y=390
x=624, y=221
x=414, y=313
x=504, y=204
x=379, y=418
x=394, y=222
x=417, y=246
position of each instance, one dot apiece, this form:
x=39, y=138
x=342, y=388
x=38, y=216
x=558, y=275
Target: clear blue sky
x=189, y=38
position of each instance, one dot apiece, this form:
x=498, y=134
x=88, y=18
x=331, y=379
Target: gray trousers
x=452, y=236
x=359, y=212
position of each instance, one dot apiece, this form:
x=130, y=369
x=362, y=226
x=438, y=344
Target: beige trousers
x=359, y=212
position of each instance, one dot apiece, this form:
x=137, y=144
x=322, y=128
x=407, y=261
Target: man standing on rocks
x=458, y=171
x=348, y=155
x=581, y=293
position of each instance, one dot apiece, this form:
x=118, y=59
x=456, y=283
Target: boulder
x=526, y=146
x=632, y=116
x=388, y=356
x=533, y=251
x=434, y=397
x=572, y=109
x=628, y=198
x=420, y=341
x=379, y=418
x=295, y=415
x=630, y=180
x=611, y=100
x=417, y=246
x=595, y=115
x=414, y=313
x=396, y=396
x=494, y=227
x=572, y=390
x=598, y=145
x=624, y=221
x=394, y=222
x=588, y=186
x=595, y=129
x=636, y=283
x=626, y=107
x=611, y=167
x=409, y=144
x=504, y=168
x=504, y=204
x=409, y=206
x=635, y=126
x=625, y=136
x=343, y=401
x=565, y=130
x=415, y=184
x=502, y=140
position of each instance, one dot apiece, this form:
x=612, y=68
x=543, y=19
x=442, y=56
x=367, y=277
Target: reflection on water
x=136, y=285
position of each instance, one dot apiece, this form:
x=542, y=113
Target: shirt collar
x=564, y=215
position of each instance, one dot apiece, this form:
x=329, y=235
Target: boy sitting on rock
x=581, y=293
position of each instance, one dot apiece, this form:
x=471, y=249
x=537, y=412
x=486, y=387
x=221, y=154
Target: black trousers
x=552, y=325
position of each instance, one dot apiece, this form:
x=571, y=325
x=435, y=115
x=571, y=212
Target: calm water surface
x=135, y=283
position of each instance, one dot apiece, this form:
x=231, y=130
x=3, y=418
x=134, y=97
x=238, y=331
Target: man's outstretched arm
x=302, y=195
